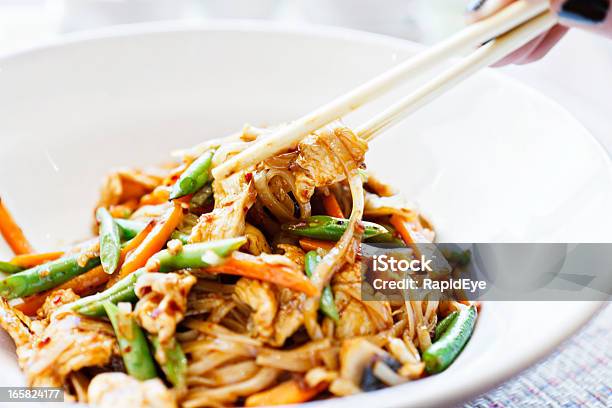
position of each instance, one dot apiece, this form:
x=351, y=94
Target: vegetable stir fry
x=243, y=291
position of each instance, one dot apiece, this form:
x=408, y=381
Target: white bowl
x=491, y=161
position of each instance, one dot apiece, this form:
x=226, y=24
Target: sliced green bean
x=174, y=365
x=184, y=238
x=201, y=197
x=132, y=343
x=327, y=304
x=7, y=267
x=122, y=291
x=443, y=352
x=461, y=258
x=389, y=237
x=330, y=228
x=110, y=240
x=444, y=324
x=191, y=256
x=128, y=229
x=45, y=276
x=194, y=177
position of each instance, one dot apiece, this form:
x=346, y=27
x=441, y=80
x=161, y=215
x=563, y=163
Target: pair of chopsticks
x=495, y=37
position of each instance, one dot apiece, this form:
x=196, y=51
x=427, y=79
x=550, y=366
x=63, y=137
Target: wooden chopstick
x=473, y=36
x=484, y=56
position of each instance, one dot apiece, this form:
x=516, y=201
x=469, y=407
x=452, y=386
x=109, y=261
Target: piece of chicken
x=69, y=343
x=163, y=302
x=261, y=298
x=119, y=390
x=233, y=198
x=323, y=157
x=357, y=318
x=290, y=315
x=56, y=299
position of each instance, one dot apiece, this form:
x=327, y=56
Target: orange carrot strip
x=123, y=210
x=310, y=244
x=289, y=392
x=136, y=241
x=158, y=196
x=153, y=242
x=12, y=233
x=31, y=260
x=252, y=267
x=400, y=226
x=332, y=207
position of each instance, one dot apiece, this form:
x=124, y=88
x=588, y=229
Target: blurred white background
x=577, y=73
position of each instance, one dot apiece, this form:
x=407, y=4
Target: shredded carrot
x=84, y=284
x=400, y=226
x=252, y=267
x=310, y=244
x=332, y=207
x=136, y=241
x=12, y=233
x=123, y=210
x=288, y=392
x=160, y=195
x=31, y=260
x=153, y=242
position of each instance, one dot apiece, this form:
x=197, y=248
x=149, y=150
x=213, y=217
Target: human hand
x=593, y=15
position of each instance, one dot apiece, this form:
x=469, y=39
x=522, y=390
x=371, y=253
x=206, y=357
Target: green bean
x=128, y=229
x=174, y=364
x=389, y=237
x=184, y=238
x=444, y=324
x=194, y=177
x=330, y=228
x=110, y=241
x=199, y=199
x=443, y=352
x=7, y=267
x=122, y=291
x=191, y=255
x=461, y=258
x=327, y=304
x=45, y=276
x=132, y=343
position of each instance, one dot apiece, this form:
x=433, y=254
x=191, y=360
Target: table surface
x=578, y=75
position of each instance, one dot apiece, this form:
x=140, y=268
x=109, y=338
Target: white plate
x=491, y=161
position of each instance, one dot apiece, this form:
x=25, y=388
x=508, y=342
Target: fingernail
x=475, y=5
x=585, y=11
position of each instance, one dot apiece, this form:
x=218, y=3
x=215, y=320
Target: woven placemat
x=577, y=374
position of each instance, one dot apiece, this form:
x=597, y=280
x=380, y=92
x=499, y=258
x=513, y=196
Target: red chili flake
x=248, y=177
x=127, y=349
x=43, y=342
x=173, y=307
x=57, y=299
